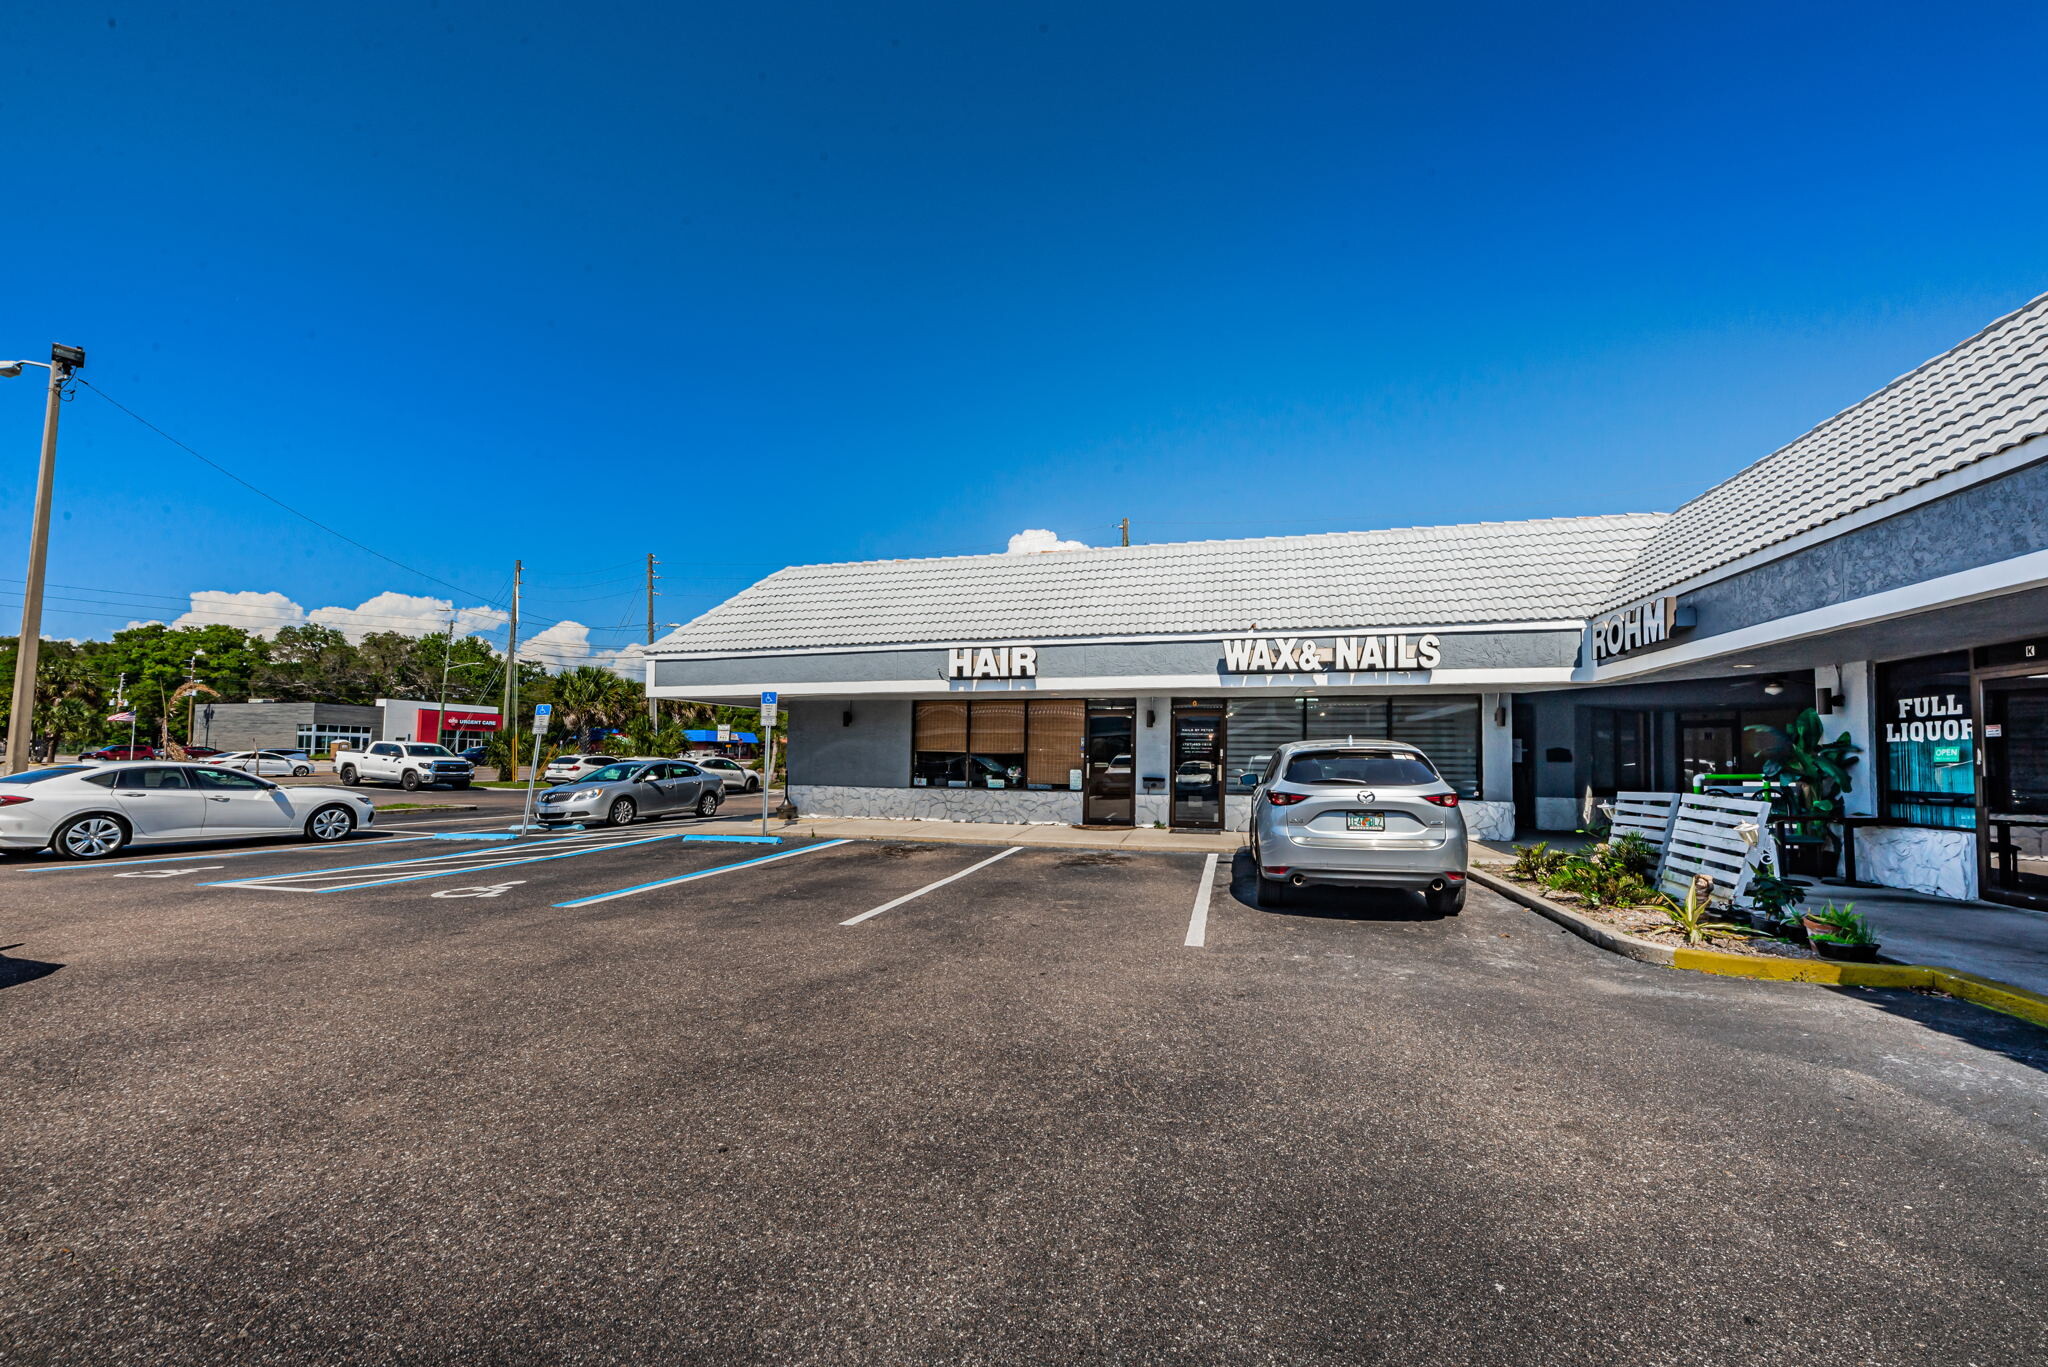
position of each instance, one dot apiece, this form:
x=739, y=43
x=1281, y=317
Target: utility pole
x=28, y=645
x=1125, y=527
x=441, y=707
x=509, y=722
x=653, y=707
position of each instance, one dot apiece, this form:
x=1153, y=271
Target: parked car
x=121, y=752
x=206, y=752
x=1357, y=815
x=623, y=791
x=737, y=777
x=569, y=768
x=278, y=763
x=474, y=754
x=409, y=764
x=90, y=811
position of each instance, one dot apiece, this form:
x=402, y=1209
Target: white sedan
x=276, y=762
x=90, y=811
x=737, y=778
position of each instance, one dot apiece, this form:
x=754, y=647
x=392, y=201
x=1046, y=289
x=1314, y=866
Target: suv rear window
x=1351, y=767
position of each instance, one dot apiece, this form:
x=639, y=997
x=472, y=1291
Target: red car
x=200, y=752
x=121, y=752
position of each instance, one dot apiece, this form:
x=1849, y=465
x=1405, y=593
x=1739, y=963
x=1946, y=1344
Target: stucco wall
x=1985, y=523
x=873, y=752
x=1942, y=863
x=1461, y=650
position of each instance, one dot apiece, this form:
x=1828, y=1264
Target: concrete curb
x=1970, y=987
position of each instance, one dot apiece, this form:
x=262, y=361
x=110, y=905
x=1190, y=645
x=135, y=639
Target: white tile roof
x=1984, y=396
x=1549, y=570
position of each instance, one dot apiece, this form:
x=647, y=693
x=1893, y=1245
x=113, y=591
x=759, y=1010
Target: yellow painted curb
x=1970, y=987
x=1829, y=971
x=2013, y=1001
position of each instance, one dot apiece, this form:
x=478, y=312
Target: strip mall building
x=1889, y=567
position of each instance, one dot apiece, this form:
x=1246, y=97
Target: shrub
x=1632, y=854
x=1536, y=862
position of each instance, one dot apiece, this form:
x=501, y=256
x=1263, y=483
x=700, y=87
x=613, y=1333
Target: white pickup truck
x=409, y=764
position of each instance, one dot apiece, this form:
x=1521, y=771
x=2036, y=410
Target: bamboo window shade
x=941, y=726
x=996, y=728
x=1058, y=726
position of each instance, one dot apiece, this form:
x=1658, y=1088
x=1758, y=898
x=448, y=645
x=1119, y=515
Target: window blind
x=1057, y=726
x=996, y=728
x=941, y=727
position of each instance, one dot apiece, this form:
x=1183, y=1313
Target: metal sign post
x=543, y=714
x=768, y=708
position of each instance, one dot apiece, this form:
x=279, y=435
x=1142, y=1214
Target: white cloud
x=408, y=613
x=1032, y=540
x=566, y=645
x=261, y=613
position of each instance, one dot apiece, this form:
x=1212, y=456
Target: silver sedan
x=620, y=794
x=90, y=811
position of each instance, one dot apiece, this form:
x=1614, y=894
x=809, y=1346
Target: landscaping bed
x=1612, y=883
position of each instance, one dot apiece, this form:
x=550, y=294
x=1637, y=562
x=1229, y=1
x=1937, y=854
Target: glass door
x=1111, y=778
x=2015, y=750
x=1198, y=766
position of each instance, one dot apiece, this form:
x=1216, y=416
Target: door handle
x=211, y=798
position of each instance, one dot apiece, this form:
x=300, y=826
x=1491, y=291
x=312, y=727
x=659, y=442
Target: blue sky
x=751, y=285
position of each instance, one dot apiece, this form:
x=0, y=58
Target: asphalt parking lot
x=643, y=1095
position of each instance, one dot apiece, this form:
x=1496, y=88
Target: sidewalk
x=1996, y=941
x=988, y=833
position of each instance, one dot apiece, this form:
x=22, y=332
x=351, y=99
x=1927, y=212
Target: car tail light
x=1441, y=799
x=11, y=799
x=1279, y=799
x=1454, y=876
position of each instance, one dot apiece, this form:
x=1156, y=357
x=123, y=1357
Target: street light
x=21, y=718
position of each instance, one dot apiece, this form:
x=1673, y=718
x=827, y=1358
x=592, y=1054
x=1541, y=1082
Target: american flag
x=122, y=716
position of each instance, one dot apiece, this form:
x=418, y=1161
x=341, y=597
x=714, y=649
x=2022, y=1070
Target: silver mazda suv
x=1369, y=814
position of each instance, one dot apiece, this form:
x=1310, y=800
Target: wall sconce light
x=1500, y=716
x=846, y=717
x=1827, y=701
x=1151, y=717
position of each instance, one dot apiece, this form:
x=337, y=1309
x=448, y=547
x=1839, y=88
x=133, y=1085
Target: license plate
x=1365, y=821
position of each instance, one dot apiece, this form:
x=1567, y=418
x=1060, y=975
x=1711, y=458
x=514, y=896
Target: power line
x=272, y=498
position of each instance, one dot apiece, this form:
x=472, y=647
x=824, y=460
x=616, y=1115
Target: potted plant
x=1839, y=933
x=1770, y=898
x=1814, y=773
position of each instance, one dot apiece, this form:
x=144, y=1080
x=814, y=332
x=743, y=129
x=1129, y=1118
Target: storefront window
x=315, y=740
x=1443, y=726
x=1002, y=743
x=1928, y=745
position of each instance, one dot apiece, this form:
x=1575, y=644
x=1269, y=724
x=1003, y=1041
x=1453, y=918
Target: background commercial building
x=1888, y=568
x=315, y=726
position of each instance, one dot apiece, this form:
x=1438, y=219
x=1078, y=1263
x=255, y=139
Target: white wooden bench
x=1707, y=837
x=1648, y=815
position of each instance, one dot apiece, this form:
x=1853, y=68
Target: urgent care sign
x=432, y=723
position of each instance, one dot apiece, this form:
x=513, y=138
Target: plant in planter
x=1771, y=898
x=1814, y=773
x=1839, y=933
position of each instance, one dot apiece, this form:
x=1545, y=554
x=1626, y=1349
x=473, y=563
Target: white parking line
x=350, y=877
x=929, y=887
x=1198, y=923
x=692, y=877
